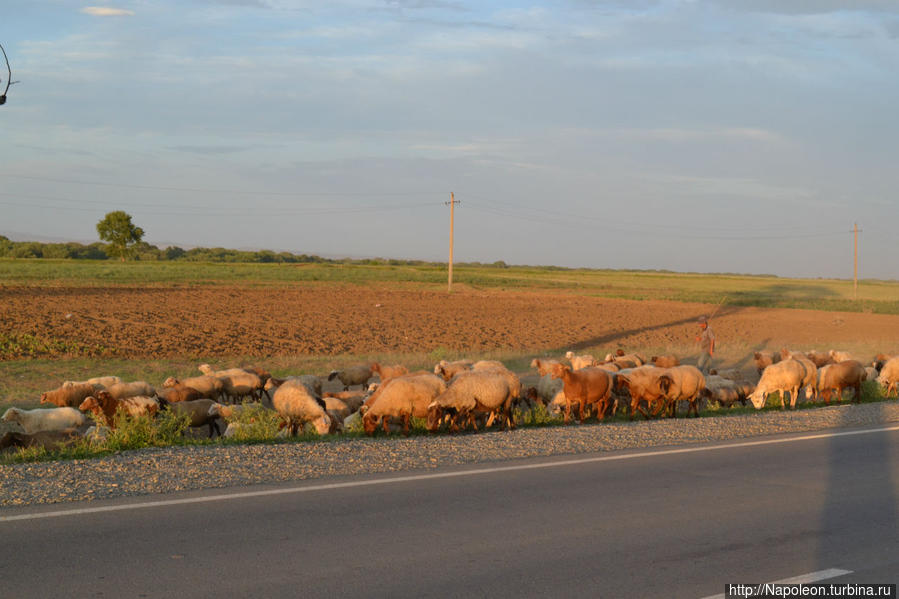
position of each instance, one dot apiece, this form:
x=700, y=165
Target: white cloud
x=106, y=11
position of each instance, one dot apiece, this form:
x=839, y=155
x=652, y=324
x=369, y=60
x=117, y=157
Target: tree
x=120, y=233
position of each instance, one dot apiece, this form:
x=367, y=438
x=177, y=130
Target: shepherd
x=706, y=339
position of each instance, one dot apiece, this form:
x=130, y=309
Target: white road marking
x=801, y=579
x=435, y=475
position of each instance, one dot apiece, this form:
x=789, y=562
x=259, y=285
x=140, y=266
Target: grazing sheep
x=238, y=385
x=48, y=440
x=585, y=387
x=402, y=397
x=548, y=387
x=500, y=368
x=871, y=373
x=336, y=407
x=68, y=396
x=763, y=359
x=450, y=369
x=209, y=387
x=311, y=381
x=388, y=372
x=297, y=405
x=352, y=399
x=199, y=414
x=666, y=361
x=889, y=376
x=839, y=376
x=810, y=378
x=880, y=360
x=543, y=366
x=46, y=419
x=580, y=361
x=487, y=391
x=784, y=376
x=354, y=375
x=722, y=391
x=134, y=389
x=105, y=407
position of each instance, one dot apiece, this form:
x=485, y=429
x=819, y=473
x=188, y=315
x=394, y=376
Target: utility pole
x=452, y=204
x=855, y=261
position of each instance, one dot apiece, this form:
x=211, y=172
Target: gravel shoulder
x=173, y=469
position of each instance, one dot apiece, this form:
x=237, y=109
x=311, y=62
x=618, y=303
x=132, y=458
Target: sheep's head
x=369, y=423
x=44, y=398
x=322, y=424
x=569, y=354
x=11, y=415
x=758, y=398
x=535, y=363
x=90, y=404
x=809, y=392
x=205, y=369
x=170, y=382
x=559, y=370
x=665, y=383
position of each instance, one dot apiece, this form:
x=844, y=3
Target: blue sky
x=704, y=135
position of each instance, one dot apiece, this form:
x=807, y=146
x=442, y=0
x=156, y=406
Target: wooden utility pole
x=452, y=204
x=855, y=260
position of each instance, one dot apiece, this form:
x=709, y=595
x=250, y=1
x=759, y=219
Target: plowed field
x=338, y=319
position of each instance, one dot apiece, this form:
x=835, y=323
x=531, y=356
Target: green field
x=874, y=296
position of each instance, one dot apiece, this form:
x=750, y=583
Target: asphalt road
x=627, y=524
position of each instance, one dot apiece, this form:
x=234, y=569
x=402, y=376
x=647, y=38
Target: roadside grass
x=874, y=296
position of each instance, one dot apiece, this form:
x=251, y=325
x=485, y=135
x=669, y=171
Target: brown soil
x=332, y=319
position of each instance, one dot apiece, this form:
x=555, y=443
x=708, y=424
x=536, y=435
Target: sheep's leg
x=858, y=393
x=385, y=424
x=406, y=420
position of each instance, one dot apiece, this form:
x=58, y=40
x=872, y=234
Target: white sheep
x=297, y=406
x=580, y=361
x=783, y=376
x=47, y=419
x=840, y=356
x=133, y=389
x=889, y=376
x=401, y=397
x=102, y=381
x=450, y=369
x=484, y=391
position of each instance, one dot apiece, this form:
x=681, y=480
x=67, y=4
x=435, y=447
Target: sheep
x=106, y=407
x=101, y=381
x=336, y=407
x=354, y=375
x=585, y=386
x=500, y=368
x=48, y=440
x=450, y=369
x=209, y=387
x=68, y=396
x=870, y=373
x=199, y=414
x=241, y=383
x=839, y=376
x=311, y=381
x=297, y=405
x=783, y=376
x=134, y=389
x=819, y=359
x=840, y=356
x=880, y=360
x=724, y=392
x=810, y=379
x=548, y=387
x=580, y=361
x=889, y=376
x=543, y=366
x=763, y=359
x=486, y=391
x=642, y=385
x=177, y=391
x=666, y=361
x=46, y=419
x=631, y=360
x=682, y=383
x=385, y=373
x=401, y=397
x=352, y=399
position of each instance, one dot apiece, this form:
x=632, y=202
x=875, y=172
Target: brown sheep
x=68, y=396
x=199, y=413
x=180, y=392
x=450, y=369
x=353, y=375
x=819, y=359
x=642, y=385
x=106, y=407
x=388, y=372
x=543, y=366
x=839, y=376
x=585, y=387
x=763, y=359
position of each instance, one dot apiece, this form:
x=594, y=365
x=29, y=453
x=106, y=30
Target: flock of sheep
x=456, y=395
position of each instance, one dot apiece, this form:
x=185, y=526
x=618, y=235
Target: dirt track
x=329, y=320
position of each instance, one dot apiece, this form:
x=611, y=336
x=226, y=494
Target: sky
x=689, y=135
